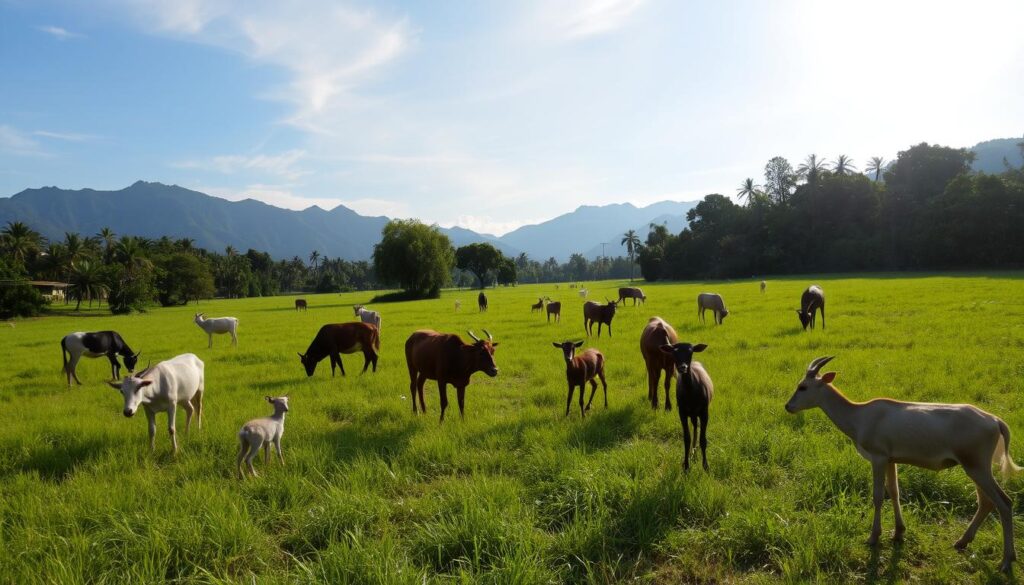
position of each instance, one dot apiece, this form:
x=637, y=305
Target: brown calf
x=300, y=304
x=580, y=369
x=449, y=360
x=656, y=334
x=338, y=338
x=538, y=306
x=601, y=314
x=555, y=308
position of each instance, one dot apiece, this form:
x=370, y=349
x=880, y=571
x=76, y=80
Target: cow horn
x=818, y=363
x=470, y=332
x=146, y=370
x=488, y=334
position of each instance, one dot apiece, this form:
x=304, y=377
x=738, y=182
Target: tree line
x=926, y=210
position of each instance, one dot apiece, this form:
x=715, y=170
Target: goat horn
x=470, y=332
x=818, y=363
x=488, y=334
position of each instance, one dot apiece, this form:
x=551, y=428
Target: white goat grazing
x=933, y=436
x=218, y=325
x=367, y=316
x=262, y=432
x=583, y=293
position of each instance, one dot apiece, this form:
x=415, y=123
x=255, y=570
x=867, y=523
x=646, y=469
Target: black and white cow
x=96, y=344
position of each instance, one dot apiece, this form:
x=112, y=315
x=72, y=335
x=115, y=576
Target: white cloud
x=276, y=195
x=280, y=165
x=585, y=18
x=16, y=142
x=65, y=136
x=59, y=33
x=486, y=224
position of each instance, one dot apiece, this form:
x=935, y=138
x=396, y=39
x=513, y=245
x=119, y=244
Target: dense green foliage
x=930, y=212
x=480, y=259
x=515, y=492
x=416, y=257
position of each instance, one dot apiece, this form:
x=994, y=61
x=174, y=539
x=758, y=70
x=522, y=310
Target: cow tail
x=376, y=338
x=1002, y=454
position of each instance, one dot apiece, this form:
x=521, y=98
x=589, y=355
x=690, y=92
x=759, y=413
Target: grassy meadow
x=515, y=492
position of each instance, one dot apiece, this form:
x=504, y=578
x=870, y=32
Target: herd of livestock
x=885, y=432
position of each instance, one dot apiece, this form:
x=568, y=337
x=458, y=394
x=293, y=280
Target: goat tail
x=1002, y=454
x=64, y=354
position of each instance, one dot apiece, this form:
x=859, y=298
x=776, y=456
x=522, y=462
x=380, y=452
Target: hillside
x=992, y=153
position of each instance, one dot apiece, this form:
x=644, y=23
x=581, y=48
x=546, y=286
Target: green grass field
x=515, y=492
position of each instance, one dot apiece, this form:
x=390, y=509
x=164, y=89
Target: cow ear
x=666, y=348
x=269, y=399
x=301, y=357
x=578, y=344
x=827, y=377
x=145, y=383
x=494, y=344
x=700, y=347
x=114, y=385
x=556, y=344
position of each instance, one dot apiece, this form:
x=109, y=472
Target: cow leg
x=73, y=369
x=704, y=439
x=422, y=382
x=151, y=419
x=668, y=386
x=189, y=410
x=686, y=440
x=892, y=485
x=460, y=393
x=822, y=317
x=412, y=389
x=982, y=477
x=568, y=399
x=266, y=453
x=254, y=449
x=341, y=365
x=197, y=401
x=443, y=389
x=593, y=390
x=114, y=366
x=277, y=447
x=243, y=450
x=604, y=383
x=334, y=364
x=609, y=329
x=171, y=414
x=878, y=468
x=985, y=507
x=234, y=338
x=653, y=377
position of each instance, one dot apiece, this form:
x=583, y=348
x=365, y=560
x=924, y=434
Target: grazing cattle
x=218, y=325
x=812, y=299
x=764, y=285
x=933, y=436
x=300, y=304
x=601, y=314
x=580, y=369
x=656, y=334
x=714, y=302
x=262, y=432
x=449, y=360
x=555, y=308
x=538, y=306
x=481, y=301
x=337, y=338
x=367, y=316
x=100, y=343
x=631, y=292
x=694, y=392
x=161, y=388
x=583, y=293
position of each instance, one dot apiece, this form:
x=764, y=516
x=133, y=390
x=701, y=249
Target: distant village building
x=50, y=289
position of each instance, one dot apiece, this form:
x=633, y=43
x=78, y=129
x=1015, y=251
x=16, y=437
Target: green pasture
x=514, y=492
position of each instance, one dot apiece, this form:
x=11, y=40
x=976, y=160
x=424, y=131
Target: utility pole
x=603, y=244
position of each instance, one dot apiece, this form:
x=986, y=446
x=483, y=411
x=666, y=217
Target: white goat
x=367, y=316
x=713, y=302
x=933, y=436
x=218, y=325
x=161, y=388
x=764, y=285
x=262, y=432
x=583, y=293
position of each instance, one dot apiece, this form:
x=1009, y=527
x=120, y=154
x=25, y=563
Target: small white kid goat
x=218, y=325
x=262, y=432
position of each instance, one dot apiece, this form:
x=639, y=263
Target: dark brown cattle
x=813, y=299
x=656, y=334
x=694, y=392
x=538, y=306
x=338, y=338
x=632, y=292
x=597, y=313
x=449, y=360
x=481, y=301
x=300, y=304
x=580, y=369
x=555, y=308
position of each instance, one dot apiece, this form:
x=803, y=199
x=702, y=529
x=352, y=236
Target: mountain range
x=153, y=210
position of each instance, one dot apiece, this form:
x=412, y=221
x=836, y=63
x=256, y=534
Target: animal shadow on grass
x=383, y=438
x=604, y=429
x=57, y=460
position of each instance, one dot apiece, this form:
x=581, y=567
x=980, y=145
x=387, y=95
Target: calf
x=764, y=285
x=600, y=314
x=555, y=308
x=161, y=388
x=656, y=334
x=481, y=301
x=219, y=326
x=262, y=432
x=300, y=304
x=538, y=306
x=812, y=299
x=338, y=338
x=583, y=293
x=632, y=292
x=100, y=343
x=694, y=392
x=367, y=316
x=449, y=360
x=580, y=369
x=714, y=302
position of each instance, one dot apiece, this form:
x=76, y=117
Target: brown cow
x=580, y=369
x=338, y=338
x=449, y=360
x=632, y=292
x=555, y=308
x=300, y=304
x=596, y=312
x=656, y=334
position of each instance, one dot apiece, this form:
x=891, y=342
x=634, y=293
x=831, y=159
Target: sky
x=483, y=114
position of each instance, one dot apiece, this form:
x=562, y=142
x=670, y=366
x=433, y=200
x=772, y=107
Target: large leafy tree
x=479, y=258
x=779, y=179
x=416, y=257
x=632, y=243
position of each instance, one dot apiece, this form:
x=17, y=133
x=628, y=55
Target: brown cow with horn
x=449, y=360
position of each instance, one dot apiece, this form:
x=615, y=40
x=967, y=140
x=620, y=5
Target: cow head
x=682, y=354
x=132, y=388
x=805, y=318
x=356, y=309
x=308, y=363
x=483, y=354
x=131, y=360
x=199, y=318
x=609, y=309
x=568, y=348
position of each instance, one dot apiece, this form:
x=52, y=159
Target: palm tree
x=87, y=282
x=811, y=169
x=632, y=243
x=20, y=241
x=843, y=165
x=109, y=238
x=314, y=257
x=748, y=190
x=876, y=165
x=129, y=252
x=230, y=251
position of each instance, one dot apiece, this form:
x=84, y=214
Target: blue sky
x=483, y=114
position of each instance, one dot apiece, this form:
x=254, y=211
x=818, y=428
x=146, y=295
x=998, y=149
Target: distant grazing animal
x=262, y=432
x=764, y=285
x=458, y=304
x=218, y=325
x=337, y=338
x=161, y=388
x=555, y=308
x=583, y=293
x=481, y=301
x=694, y=392
x=580, y=369
x=538, y=306
x=100, y=343
x=449, y=360
x=656, y=334
x=713, y=302
x=631, y=292
x=367, y=316
x=601, y=314
x=933, y=436
x=812, y=299
x=300, y=304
